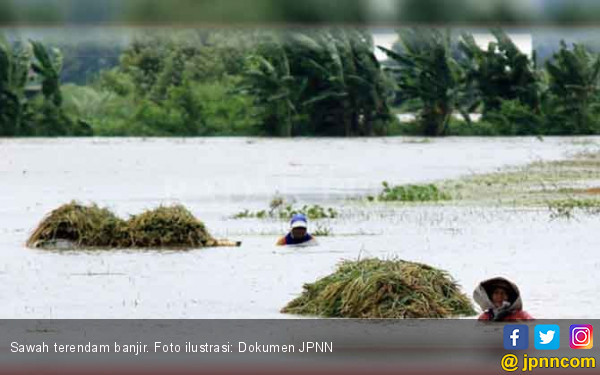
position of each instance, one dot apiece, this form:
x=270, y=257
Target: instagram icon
x=582, y=336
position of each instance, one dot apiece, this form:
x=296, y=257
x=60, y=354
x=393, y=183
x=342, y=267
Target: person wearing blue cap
x=298, y=234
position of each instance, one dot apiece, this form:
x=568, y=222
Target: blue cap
x=299, y=221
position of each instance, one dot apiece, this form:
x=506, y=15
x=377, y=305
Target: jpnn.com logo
x=516, y=337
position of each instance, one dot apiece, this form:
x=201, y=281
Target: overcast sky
x=523, y=41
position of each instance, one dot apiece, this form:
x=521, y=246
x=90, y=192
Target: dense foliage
x=426, y=71
x=33, y=67
x=325, y=82
x=319, y=82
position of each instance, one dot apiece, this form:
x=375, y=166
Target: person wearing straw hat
x=298, y=234
x=500, y=301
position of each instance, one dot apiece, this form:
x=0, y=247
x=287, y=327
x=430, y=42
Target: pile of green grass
x=94, y=227
x=167, y=227
x=382, y=289
x=83, y=226
x=412, y=193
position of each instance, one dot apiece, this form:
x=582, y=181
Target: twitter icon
x=547, y=337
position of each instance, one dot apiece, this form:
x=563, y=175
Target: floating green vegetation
x=312, y=212
x=81, y=227
x=322, y=231
x=279, y=209
x=418, y=141
x=533, y=185
x=584, y=142
x=566, y=187
x=247, y=214
x=411, y=193
x=388, y=289
x=566, y=208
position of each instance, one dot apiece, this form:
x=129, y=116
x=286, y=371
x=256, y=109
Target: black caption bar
x=268, y=346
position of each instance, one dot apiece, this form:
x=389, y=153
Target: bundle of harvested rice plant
x=82, y=226
x=383, y=289
x=75, y=226
x=168, y=227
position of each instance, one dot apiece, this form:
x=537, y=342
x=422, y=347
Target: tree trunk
x=369, y=124
x=288, y=122
x=436, y=119
x=347, y=118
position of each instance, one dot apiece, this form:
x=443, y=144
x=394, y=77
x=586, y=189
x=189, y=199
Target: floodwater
x=555, y=263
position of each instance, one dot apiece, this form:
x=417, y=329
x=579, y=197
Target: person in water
x=298, y=234
x=500, y=301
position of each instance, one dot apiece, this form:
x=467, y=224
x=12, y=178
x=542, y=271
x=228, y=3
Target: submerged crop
x=412, y=193
x=280, y=209
x=566, y=208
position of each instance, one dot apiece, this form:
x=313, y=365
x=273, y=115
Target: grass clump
x=91, y=227
x=388, y=289
x=566, y=208
x=322, y=231
x=313, y=212
x=418, y=141
x=83, y=226
x=280, y=209
x=168, y=227
x=247, y=214
x=412, y=193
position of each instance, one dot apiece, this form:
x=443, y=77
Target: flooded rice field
x=555, y=262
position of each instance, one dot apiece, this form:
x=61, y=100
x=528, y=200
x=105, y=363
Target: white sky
x=523, y=41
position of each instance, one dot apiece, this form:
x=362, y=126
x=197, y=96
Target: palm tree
x=14, y=71
x=48, y=64
x=345, y=78
x=320, y=57
x=51, y=119
x=327, y=79
x=575, y=86
x=425, y=70
x=371, y=88
x=500, y=72
x=270, y=80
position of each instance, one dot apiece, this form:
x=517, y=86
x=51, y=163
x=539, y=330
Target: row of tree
x=445, y=75
x=324, y=82
x=33, y=67
x=308, y=82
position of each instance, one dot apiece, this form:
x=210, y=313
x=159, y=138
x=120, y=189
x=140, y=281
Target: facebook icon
x=516, y=337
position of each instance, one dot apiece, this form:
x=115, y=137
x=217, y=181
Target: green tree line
x=438, y=75
x=31, y=100
x=321, y=82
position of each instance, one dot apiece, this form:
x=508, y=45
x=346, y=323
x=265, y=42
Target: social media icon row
x=547, y=337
